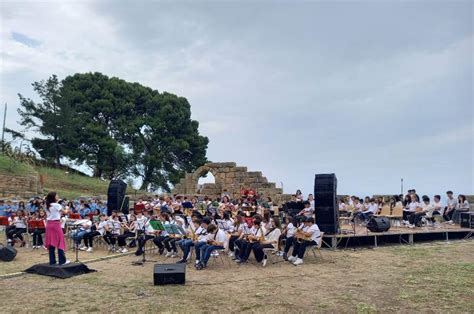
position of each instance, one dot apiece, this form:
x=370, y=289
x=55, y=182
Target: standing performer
x=54, y=233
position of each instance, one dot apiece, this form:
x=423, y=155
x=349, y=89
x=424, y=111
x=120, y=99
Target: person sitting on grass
x=216, y=239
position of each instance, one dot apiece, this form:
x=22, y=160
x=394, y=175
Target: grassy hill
x=67, y=184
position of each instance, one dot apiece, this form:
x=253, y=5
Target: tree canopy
x=117, y=128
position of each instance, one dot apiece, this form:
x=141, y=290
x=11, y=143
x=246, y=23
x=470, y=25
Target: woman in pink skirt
x=54, y=233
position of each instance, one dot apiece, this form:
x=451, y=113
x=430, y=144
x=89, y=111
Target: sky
x=371, y=91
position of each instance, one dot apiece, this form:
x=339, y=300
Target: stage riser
x=393, y=239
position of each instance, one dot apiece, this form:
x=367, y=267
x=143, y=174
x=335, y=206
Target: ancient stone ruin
x=229, y=178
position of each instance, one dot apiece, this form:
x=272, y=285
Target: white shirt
x=273, y=236
x=452, y=203
x=315, y=233
x=290, y=230
x=19, y=223
x=219, y=236
x=202, y=234
x=54, y=212
x=373, y=208
x=308, y=211
x=413, y=206
x=101, y=227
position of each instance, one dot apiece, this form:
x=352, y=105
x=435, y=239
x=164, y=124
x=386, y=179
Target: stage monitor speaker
x=378, y=224
x=467, y=220
x=325, y=203
x=169, y=274
x=115, y=195
x=7, y=253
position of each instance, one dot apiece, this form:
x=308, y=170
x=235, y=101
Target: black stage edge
x=60, y=271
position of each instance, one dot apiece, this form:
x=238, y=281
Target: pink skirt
x=54, y=235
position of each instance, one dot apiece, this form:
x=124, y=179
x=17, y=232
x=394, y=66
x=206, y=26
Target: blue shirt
x=3, y=209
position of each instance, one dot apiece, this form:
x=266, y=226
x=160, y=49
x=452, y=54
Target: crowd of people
x=180, y=227
x=415, y=211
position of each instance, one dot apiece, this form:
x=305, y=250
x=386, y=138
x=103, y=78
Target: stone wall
x=231, y=178
x=19, y=186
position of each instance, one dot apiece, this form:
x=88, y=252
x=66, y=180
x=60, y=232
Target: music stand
x=143, y=237
x=76, y=246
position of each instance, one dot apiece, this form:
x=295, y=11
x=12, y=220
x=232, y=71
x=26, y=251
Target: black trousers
x=110, y=238
x=288, y=244
x=448, y=215
x=299, y=248
x=245, y=248
x=232, y=242
x=159, y=242
x=16, y=233
x=89, y=238
x=123, y=237
x=142, y=241
x=170, y=244
x=258, y=250
x=38, y=237
x=406, y=215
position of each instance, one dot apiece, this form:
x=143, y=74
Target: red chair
x=74, y=216
x=4, y=221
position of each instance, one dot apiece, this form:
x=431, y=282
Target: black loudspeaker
x=115, y=195
x=169, y=274
x=7, y=253
x=467, y=220
x=325, y=203
x=378, y=224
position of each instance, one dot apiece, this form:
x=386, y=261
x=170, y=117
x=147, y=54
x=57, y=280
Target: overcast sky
x=372, y=91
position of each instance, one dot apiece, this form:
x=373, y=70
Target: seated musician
x=97, y=229
x=195, y=233
x=39, y=229
x=80, y=232
x=247, y=242
x=145, y=231
x=202, y=239
x=307, y=211
x=170, y=241
x=270, y=240
x=424, y=209
x=130, y=229
x=238, y=229
x=308, y=236
x=372, y=209
x=113, y=230
x=289, y=231
x=163, y=235
x=18, y=228
x=215, y=241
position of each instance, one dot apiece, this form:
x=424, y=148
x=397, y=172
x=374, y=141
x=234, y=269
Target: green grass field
x=67, y=184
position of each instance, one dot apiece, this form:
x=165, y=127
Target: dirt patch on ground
x=435, y=277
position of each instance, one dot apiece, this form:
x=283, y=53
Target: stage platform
x=360, y=236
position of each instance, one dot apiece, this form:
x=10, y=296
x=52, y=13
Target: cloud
x=311, y=87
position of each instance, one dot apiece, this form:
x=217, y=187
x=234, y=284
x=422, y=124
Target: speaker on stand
x=115, y=196
x=325, y=203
